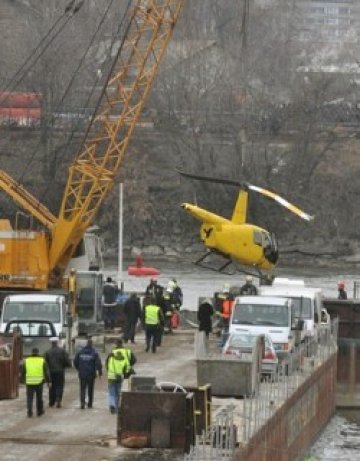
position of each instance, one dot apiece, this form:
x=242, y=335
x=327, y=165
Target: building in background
x=329, y=21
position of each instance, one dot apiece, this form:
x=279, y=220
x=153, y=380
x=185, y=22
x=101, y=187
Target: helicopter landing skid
x=229, y=267
x=210, y=266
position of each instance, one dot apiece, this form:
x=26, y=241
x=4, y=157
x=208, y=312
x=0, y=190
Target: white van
x=266, y=315
x=306, y=301
x=36, y=306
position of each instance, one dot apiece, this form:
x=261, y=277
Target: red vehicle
x=20, y=109
x=20, y=100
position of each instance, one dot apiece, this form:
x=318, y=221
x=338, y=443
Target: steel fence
x=291, y=373
x=218, y=441
x=238, y=423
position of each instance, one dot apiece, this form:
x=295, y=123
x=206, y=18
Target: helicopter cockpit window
x=258, y=240
x=267, y=240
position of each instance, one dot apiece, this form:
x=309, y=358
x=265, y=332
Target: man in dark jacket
x=88, y=364
x=57, y=360
x=204, y=315
x=155, y=291
x=132, y=311
x=177, y=295
x=248, y=289
x=110, y=292
x=341, y=291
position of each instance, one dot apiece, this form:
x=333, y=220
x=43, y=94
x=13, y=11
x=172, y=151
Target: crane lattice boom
x=92, y=174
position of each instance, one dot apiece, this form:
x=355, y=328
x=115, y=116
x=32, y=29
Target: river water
x=341, y=438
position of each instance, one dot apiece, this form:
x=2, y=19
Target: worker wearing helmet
x=168, y=308
x=248, y=289
x=220, y=297
x=154, y=290
x=341, y=291
x=225, y=301
x=177, y=295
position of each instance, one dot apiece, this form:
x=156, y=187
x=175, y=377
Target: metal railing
x=239, y=422
x=218, y=441
x=356, y=290
x=290, y=375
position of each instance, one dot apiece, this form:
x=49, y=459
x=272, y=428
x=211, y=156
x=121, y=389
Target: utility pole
x=120, y=251
x=245, y=24
x=244, y=34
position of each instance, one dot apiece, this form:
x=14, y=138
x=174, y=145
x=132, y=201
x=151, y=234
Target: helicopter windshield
x=271, y=248
x=258, y=238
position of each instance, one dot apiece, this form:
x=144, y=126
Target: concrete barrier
x=228, y=375
x=229, y=378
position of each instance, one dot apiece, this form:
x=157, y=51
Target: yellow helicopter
x=235, y=239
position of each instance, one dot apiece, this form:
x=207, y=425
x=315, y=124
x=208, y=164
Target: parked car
x=241, y=344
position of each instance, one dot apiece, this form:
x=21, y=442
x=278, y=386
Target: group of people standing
x=222, y=307
x=50, y=368
x=160, y=311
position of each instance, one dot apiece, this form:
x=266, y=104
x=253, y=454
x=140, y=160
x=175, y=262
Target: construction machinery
x=37, y=260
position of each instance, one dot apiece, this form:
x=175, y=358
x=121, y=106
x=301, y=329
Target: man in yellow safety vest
x=35, y=372
x=153, y=318
x=117, y=366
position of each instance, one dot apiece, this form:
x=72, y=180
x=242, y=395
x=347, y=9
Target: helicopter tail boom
x=204, y=215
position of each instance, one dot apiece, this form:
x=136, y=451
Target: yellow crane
x=37, y=260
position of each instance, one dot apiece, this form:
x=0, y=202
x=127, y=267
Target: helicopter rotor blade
x=246, y=186
x=294, y=209
x=228, y=182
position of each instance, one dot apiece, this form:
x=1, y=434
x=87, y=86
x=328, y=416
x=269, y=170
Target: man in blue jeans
x=88, y=364
x=117, y=366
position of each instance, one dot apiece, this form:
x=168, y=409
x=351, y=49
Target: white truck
x=40, y=306
x=269, y=315
x=306, y=301
x=53, y=307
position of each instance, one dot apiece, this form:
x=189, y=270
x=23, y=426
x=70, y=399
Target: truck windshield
x=301, y=308
x=34, y=311
x=261, y=314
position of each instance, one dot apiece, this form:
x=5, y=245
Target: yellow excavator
x=32, y=260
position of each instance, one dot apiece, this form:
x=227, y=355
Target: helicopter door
x=271, y=251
